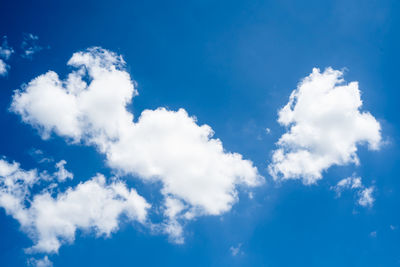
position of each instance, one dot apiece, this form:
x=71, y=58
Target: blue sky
x=233, y=65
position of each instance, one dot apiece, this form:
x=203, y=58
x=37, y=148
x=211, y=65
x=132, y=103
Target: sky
x=199, y=133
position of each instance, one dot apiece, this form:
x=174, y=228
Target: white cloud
x=324, y=125
x=44, y=262
x=62, y=174
x=90, y=106
x=40, y=156
x=236, y=250
x=3, y=68
x=92, y=205
x=30, y=45
x=172, y=227
x=51, y=219
x=5, y=54
x=366, y=199
x=364, y=194
x=5, y=50
x=347, y=183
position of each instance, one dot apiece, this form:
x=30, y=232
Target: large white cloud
x=52, y=218
x=324, y=127
x=90, y=106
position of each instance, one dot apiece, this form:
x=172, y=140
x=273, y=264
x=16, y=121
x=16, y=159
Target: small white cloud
x=365, y=197
x=373, y=234
x=44, y=262
x=5, y=50
x=5, y=54
x=267, y=130
x=325, y=126
x=3, y=68
x=40, y=156
x=30, y=45
x=392, y=227
x=62, y=174
x=347, y=183
x=236, y=250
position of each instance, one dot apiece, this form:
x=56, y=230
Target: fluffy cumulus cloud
x=364, y=194
x=90, y=105
x=324, y=127
x=51, y=217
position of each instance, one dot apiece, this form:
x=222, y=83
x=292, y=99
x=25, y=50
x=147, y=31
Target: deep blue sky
x=232, y=64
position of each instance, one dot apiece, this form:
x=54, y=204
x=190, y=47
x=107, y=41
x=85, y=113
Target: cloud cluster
x=198, y=176
x=5, y=50
x=51, y=218
x=5, y=53
x=364, y=194
x=40, y=156
x=30, y=45
x=44, y=262
x=324, y=127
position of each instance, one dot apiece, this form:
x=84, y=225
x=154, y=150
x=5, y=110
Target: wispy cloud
x=40, y=156
x=43, y=262
x=5, y=53
x=236, y=250
x=373, y=234
x=364, y=194
x=5, y=50
x=30, y=45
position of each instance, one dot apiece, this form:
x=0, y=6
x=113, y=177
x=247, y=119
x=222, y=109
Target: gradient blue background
x=232, y=64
